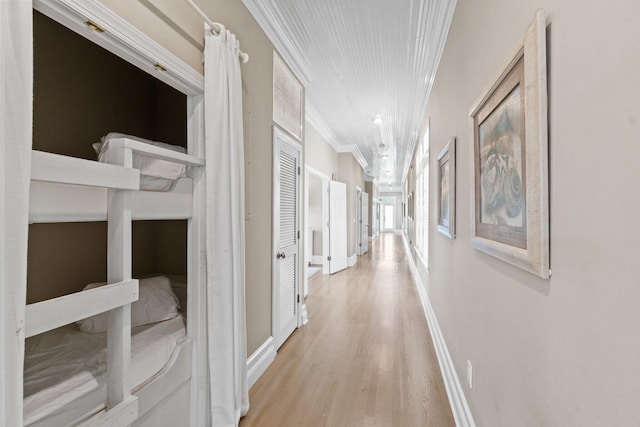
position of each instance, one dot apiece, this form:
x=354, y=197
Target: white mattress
x=65, y=364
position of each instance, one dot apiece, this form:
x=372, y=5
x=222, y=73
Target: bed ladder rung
x=157, y=152
x=50, y=314
x=60, y=169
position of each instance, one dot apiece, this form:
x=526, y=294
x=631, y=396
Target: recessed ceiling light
x=377, y=120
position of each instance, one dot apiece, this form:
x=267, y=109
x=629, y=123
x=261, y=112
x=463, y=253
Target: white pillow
x=156, y=302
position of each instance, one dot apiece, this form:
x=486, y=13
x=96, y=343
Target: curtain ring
x=217, y=29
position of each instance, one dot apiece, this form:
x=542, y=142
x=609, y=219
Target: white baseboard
x=260, y=360
x=316, y=259
x=304, y=314
x=351, y=261
x=457, y=399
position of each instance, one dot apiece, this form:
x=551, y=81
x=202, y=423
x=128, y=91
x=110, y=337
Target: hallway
x=364, y=359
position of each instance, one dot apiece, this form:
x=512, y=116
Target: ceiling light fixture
x=377, y=120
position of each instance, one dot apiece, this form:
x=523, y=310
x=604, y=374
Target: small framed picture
x=510, y=162
x=447, y=189
x=288, y=98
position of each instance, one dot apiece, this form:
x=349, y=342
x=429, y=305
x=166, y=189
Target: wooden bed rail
x=157, y=152
x=50, y=314
x=120, y=180
x=60, y=169
x=123, y=414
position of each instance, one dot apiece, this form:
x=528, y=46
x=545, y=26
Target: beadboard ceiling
x=367, y=66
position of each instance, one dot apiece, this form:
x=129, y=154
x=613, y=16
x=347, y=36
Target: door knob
x=281, y=255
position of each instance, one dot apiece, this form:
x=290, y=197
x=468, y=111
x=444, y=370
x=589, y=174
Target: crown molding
x=445, y=16
x=268, y=20
x=275, y=33
x=315, y=119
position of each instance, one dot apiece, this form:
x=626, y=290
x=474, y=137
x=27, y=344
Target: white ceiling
x=359, y=60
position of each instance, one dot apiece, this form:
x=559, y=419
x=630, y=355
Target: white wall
x=371, y=188
x=320, y=156
x=565, y=351
x=318, y=153
x=350, y=172
x=315, y=211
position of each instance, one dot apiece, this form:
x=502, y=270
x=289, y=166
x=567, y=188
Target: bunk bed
x=121, y=375
x=55, y=197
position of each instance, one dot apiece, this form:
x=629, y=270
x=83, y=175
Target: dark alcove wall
x=82, y=92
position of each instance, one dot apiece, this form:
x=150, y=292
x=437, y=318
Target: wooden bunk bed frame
x=121, y=183
x=57, y=197
x=67, y=189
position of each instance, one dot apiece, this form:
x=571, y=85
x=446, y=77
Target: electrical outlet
x=469, y=374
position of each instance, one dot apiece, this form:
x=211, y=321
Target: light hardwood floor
x=364, y=359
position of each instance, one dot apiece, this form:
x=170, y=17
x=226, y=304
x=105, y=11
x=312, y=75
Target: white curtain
x=16, y=93
x=229, y=398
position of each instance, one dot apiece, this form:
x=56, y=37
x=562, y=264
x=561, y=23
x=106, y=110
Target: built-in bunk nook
x=116, y=225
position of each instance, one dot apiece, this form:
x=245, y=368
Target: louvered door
x=286, y=236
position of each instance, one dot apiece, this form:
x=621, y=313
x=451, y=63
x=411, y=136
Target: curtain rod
x=215, y=28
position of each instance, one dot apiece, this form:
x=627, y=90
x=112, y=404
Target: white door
x=337, y=226
x=358, y=220
x=286, y=225
x=389, y=217
x=364, y=224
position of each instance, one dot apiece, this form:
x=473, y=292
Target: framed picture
x=288, y=98
x=447, y=190
x=510, y=161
